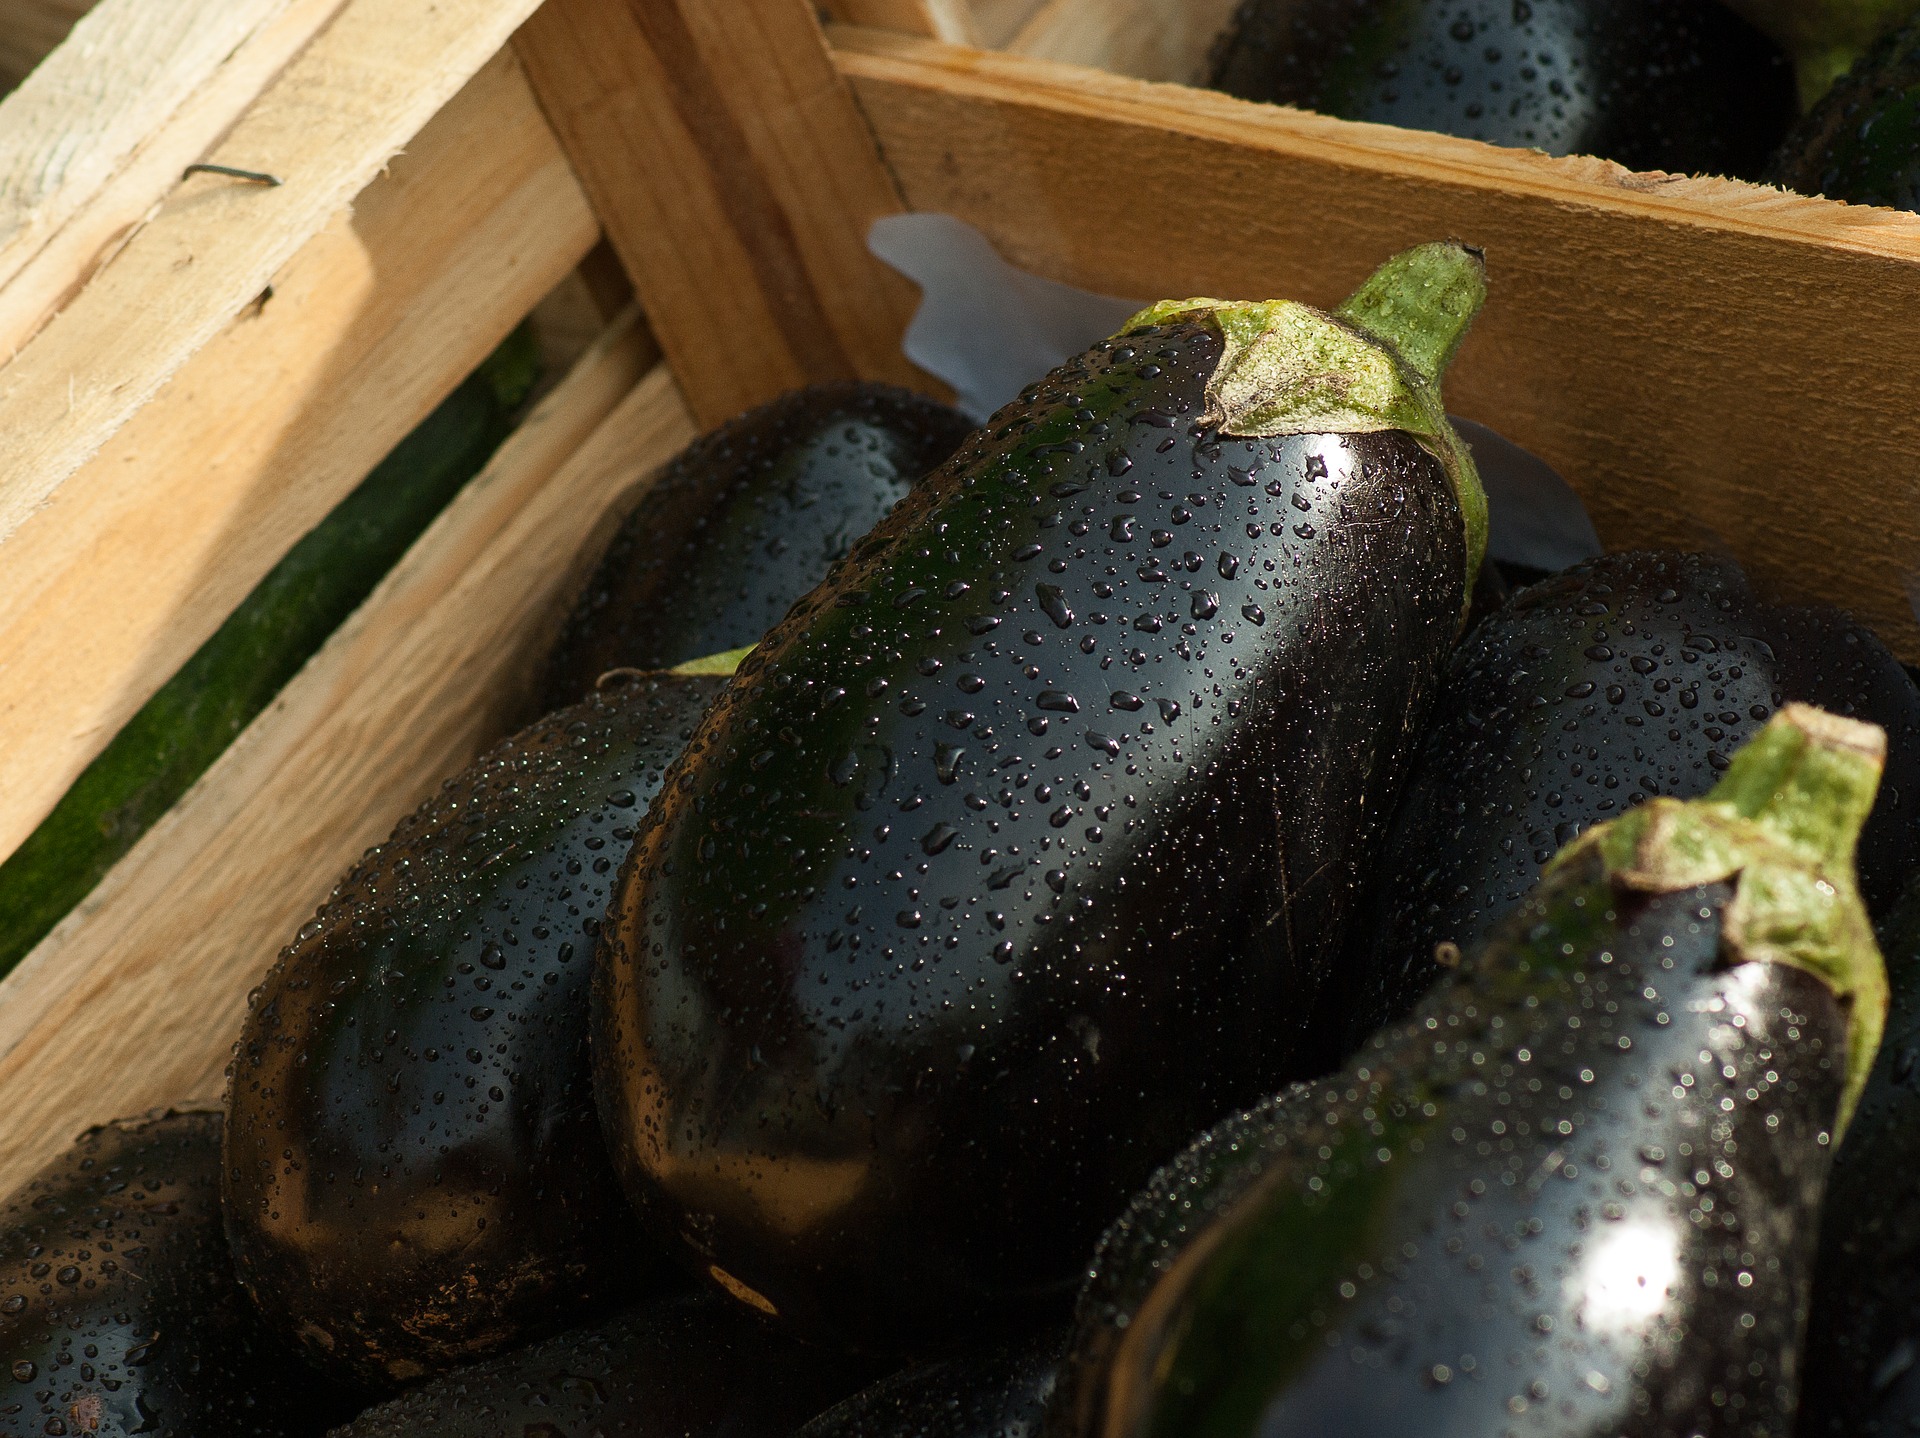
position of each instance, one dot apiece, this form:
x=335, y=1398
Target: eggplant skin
x=1679, y=85
x=1861, y=141
x=745, y=521
x=1863, y=1328
x=414, y=1177
x=998, y=1391
x=1022, y=849
x=1560, y=1197
x=1628, y=676
x=119, y=1312
x=691, y=1366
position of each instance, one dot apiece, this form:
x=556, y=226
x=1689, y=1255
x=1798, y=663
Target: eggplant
x=1573, y=1192
x=1024, y=845
x=691, y=1366
x=1627, y=676
x=1824, y=37
x=1863, y=1328
x=1861, y=142
x=743, y=522
x=414, y=1176
x=1679, y=85
x=118, y=1308
x=997, y=1391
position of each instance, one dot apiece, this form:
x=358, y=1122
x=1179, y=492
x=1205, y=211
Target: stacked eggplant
x=752, y=1029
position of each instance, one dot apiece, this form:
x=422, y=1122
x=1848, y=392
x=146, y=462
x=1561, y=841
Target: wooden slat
x=736, y=179
x=100, y=133
x=29, y=30
x=947, y=20
x=135, y=999
x=351, y=101
x=1709, y=363
x=1148, y=39
x=270, y=425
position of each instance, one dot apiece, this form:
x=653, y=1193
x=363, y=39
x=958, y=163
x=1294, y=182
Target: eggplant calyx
x=721, y=665
x=1783, y=823
x=1373, y=365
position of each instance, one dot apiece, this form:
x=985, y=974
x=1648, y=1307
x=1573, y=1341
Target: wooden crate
x=202, y=366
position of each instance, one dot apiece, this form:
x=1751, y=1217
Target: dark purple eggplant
x=1573, y=1193
x=997, y=1391
x=1863, y=1329
x=745, y=521
x=1680, y=85
x=1825, y=37
x=119, y=1312
x=414, y=1172
x=687, y=1367
x=1024, y=846
x=1624, y=677
x=1861, y=143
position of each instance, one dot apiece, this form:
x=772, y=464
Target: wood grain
x=264, y=430
x=29, y=30
x=135, y=999
x=947, y=20
x=100, y=133
x=1711, y=364
x=736, y=179
x=353, y=99
x=1148, y=39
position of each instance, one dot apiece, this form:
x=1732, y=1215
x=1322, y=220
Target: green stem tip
x=720, y=665
x=1421, y=302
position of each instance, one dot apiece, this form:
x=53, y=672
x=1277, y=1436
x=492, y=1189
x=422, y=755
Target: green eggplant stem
x=1422, y=302
x=1783, y=823
x=720, y=665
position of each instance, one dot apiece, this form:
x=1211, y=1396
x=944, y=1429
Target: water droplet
x=937, y=838
x=492, y=956
x=1205, y=605
x=1053, y=602
x=1058, y=702
x=946, y=761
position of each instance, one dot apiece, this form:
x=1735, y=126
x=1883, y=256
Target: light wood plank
x=136, y=998
x=29, y=30
x=270, y=425
x=736, y=179
x=100, y=133
x=947, y=20
x=1709, y=363
x=351, y=101
x=1148, y=39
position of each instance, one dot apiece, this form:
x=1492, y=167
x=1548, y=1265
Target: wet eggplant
x=1024, y=845
x=1574, y=1192
x=687, y=1367
x=1679, y=85
x=1861, y=143
x=1627, y=676
x=414, y=1175
x=119, y=1312
x=1863, y=1327
x=1000, y=1391
x=745, y=521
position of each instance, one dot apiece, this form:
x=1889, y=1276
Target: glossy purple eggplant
x=996, y=1390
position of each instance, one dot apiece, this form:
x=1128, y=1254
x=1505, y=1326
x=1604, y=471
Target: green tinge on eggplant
x=999, y=1390
x=1863, y=1327
x=743, y=522
x=1678, y=85
x=1824, y=37
x=1628, y=676
x=1861, y=142
x=119, y=1313
x=414, y=1172
x=682, y=1367
x=1573, y=1192
x=1024, y=846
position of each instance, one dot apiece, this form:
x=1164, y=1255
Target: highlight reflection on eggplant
x=1024, y=846
x=1573, y=1192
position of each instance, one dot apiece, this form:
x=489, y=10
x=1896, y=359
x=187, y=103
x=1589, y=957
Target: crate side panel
x=114, y=583
x=1712, y=365
x=135, y=1000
